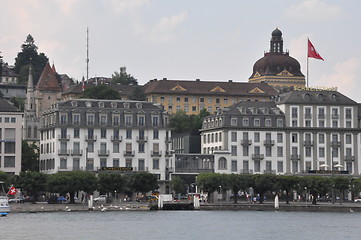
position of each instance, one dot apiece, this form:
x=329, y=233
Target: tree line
x=69, y=183
x=282, y=185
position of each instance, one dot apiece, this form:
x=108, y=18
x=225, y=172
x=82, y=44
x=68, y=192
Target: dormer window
x=74, y=103
x=126, y=105
x=138, y=105
x=88, y=104
x=113, y=105
x=101, y=104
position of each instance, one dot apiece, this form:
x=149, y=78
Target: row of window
x=64, y=134
x=256, y=122
x=178, y=99
x=8, y=119
x=222, y=165
x=321, y=112
x=49, y=164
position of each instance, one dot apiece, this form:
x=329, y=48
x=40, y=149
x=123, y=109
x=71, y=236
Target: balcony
x=169, y=169
x=246, y=142
x=64, y=152
x=168, y=140
x=90, y=138
x=156, y=153
x=321, y=116
x=64, y=137
x=129, y=153
x=246, y=171
x=334, y=116
x=168, y=153
x=295, y=157
x=117, y=138
x=269, y=142
x=349, y=158
x=308, y=143
x=76, y=152
x=257, y=156
x=103, y=152
x=142, y=139
x=335, y=144
x=308, y=116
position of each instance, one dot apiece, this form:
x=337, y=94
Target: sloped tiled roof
x=48, y=80
x=314, y=98
x=5, y=106
x=208, y=88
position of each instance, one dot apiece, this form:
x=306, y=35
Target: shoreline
x=135, y=206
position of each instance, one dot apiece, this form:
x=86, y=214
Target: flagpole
x=307, y=65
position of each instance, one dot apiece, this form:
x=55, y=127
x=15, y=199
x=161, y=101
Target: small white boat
x=4, y=201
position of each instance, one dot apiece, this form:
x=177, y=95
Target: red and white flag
x=312, y=53
x=12, y=190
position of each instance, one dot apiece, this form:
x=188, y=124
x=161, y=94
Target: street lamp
x=220, y=191
x=306, y=195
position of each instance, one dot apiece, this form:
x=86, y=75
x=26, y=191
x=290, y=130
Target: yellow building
x=193, y=96
x=277, y=68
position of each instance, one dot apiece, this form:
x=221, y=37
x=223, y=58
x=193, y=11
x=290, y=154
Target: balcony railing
x=142, y=139
x=64, y=137
x=334, y=116
x=129, y=153
x=349, y=158
x=269, y=142
x=257, y=156
x=168, y=153
x=295, y=157
x=156, y=153
x=246, y=171
x=246, y=142
x=117, y=138
x=169, y=169
x=321, y=116
x=90, y=138
x=308, y=115
x=103, y=152
x=168, y=140
x=63, y=152
x=76, y=152
x=308, y=143
x=335, y=143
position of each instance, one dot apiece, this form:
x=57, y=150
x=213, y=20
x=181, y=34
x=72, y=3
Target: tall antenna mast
x=87, y=54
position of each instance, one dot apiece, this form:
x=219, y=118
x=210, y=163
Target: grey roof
x=270, y=108
x=6, y=106
x=314, y=98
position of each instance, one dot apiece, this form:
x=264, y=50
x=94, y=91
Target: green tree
x=7, y=179
x=18, y=102
x=29, y=55
x=143, y=182
x=178, y=185
x=110, y=182
x=341, y=184
x=355, y=188
x=100, y=92
x=238, y=182
x=122, y=77
x=71, y=182
x=287, y=184
x=138, y=94
x=32, y=182
x=316, y=185
x=181, y=122
x=29, y=157
x=210, y=182
x=264, y=183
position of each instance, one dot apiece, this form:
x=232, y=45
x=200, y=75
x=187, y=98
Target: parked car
x=358, y=200
x=101, y=198
x=324, y=199
x=57, y=199
x=20, y=199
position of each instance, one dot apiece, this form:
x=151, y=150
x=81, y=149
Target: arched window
x=222, y=163
x=29, y=132
x=35, y=132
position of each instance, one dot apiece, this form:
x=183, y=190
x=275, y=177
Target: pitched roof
x=5, y=106
x=124, y=90
x=314, y=98
x=208, y=88
x=48, y=80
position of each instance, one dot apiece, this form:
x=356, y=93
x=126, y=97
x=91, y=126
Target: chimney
x=230, y=80
x=165, y=79
x=198, y=80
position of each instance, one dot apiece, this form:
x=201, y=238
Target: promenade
x=241, y=206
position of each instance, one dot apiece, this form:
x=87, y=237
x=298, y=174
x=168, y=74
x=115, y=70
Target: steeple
x=276, y=42
x=30, y=97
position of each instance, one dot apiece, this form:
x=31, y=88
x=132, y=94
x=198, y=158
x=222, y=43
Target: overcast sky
x=187, y=39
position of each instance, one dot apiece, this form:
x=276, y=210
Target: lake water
x=185, y=225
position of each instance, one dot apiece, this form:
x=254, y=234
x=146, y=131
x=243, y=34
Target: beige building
x=10, y=138
x=193, y=96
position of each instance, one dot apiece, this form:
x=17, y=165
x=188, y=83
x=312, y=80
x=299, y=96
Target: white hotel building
x=89, y=135
x=300, y=132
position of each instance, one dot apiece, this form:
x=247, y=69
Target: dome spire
x=276, y=44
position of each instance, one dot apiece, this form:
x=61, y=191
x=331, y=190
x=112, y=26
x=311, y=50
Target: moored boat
x=4, y=201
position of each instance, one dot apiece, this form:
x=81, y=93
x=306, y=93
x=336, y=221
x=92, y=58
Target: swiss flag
x=312, y=51
x=12, y=190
